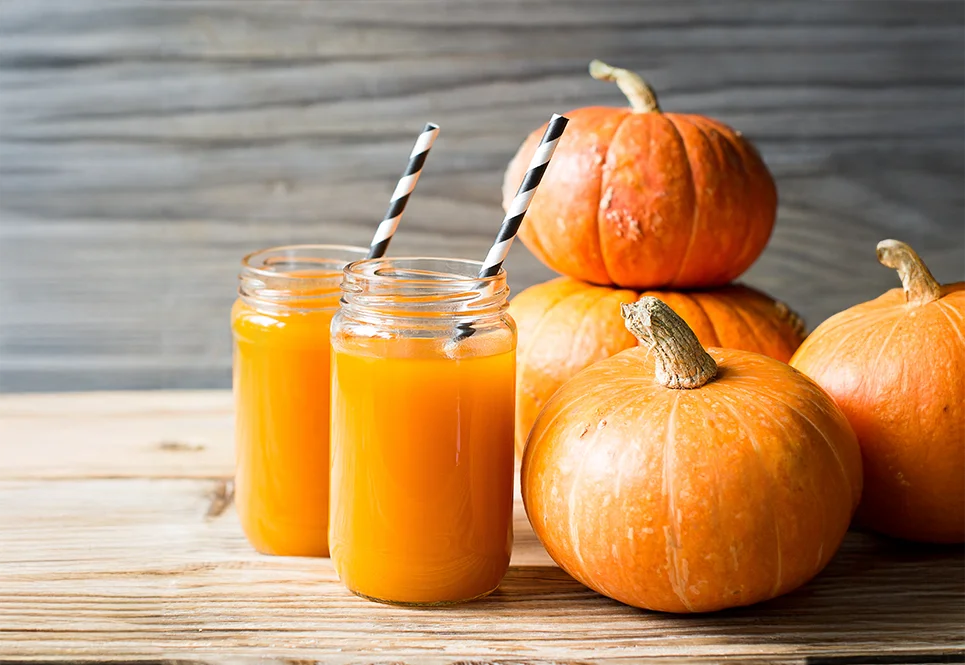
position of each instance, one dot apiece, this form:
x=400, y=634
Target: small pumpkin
x=643, y=199
x=683, y=480
x=896, y=367
x=565, y=325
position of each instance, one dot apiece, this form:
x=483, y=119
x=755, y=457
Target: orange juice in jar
x=280, y=323
x=422, y=431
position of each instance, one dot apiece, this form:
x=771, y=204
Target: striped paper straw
x=527, y=188
x=517, y=210
x=417, y=158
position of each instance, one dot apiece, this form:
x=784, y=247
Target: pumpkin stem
x=793, y=319
x=920, y=286
x=642, y=97
x=682, y=363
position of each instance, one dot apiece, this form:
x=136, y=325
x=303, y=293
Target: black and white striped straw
x=517, y=210
x=527, y=188
x=417, y=158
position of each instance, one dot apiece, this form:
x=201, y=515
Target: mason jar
x=423, y=398
x=280, y=323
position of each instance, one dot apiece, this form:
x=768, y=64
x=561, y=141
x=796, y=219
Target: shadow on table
x=877, y=592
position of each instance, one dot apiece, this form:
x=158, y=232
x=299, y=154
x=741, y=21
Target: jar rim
x=418, y=290
x=317, y=251
x=369, y=270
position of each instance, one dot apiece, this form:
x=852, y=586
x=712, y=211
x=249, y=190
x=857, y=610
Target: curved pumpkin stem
x=920, y=286
x=642, y=97
x=793, y=319
x=681, y=362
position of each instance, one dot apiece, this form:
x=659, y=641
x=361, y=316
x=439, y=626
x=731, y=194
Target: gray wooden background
x=145, y=146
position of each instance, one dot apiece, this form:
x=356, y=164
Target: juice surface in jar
x=281, y=378
x=422, y=434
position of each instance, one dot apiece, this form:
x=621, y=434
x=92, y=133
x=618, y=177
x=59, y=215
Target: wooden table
x=119, y=541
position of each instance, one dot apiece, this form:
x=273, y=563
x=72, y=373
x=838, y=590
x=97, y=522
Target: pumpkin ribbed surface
x=897, y=370
x=565, y=325
x=715, y=493
x=647, y=200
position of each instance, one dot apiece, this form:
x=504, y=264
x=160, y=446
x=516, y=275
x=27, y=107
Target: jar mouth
x=422, y=272
x=423, y=288
x=301, y=261
x=295, y=277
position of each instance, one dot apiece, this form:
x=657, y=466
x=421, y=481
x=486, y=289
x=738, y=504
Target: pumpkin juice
x=422, y=452
x=280, y=323
x=425, y=487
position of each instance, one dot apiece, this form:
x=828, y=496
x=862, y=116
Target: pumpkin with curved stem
x=643, y=199
x=896, y=367
x=678, y=479
x=566, y=325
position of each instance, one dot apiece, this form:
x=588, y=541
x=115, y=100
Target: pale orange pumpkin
x=896, y=367
x=643, y=199
x=678, y=479
x=566, y=325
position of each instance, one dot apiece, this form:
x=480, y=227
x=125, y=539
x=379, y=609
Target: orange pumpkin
x=643, y=199
x=566, y=325
x=678, y=479
x=896, y=367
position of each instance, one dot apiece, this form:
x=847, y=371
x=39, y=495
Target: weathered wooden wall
x=146, y=145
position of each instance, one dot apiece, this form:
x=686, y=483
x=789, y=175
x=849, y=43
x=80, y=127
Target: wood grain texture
x=137, y=561
x=124, y=435
x=146, y=145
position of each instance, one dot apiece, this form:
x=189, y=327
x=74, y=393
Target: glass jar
x=280, y=323
x=423, y=397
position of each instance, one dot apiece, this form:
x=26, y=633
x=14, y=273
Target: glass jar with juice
x=423, y=361
x=280, y=323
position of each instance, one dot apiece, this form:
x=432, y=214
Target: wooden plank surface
x=144, y=559
x=146, y=145
x=124, y=435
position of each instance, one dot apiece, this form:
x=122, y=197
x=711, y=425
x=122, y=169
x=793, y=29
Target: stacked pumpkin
x=636, y=203
x=684, y=478
x=650, y=216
